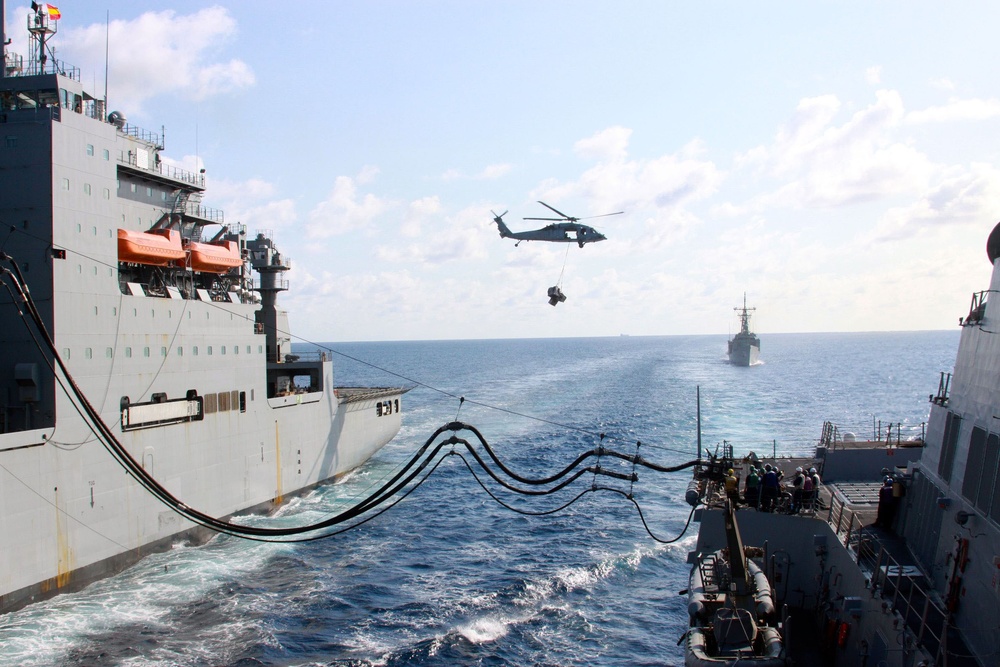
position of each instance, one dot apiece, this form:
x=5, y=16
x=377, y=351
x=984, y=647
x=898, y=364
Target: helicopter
x=564, y=229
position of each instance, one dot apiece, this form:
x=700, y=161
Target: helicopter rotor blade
x=552, y=219
x=603, y=215
x=566, y=217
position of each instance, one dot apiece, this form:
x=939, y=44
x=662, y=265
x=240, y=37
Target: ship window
x=65, y=353
x=65, y=184
x=260, y=349
x=10, y=141
x=211, y=403
x=222, y=349
x=128, y=352
x=163, y=351
x=194, y=351
x=90, y=149
x=109, y=352
x=243, y=401
x=107, y=193
x=149, y=192
x=248, y=349
x=145, y=351
x=209, y=351
x=86, y=188
x=107, y=154
x=88, y=353
x=133, y=187
x=236, y=349
x=180, y=351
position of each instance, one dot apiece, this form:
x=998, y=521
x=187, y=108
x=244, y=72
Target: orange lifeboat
x=218, y=257
x=158, y=247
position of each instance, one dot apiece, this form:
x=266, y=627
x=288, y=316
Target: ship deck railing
x=904, y=589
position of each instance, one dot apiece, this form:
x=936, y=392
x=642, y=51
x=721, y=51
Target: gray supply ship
x=744, y=347
x=166, y=320
x=895, y=563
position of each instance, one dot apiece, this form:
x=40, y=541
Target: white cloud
x=664, y=187
x=608, y=145
x=956, y=110
x=417, y=213
x=873, y=75
x=489, y=173
x=345, y=209
x=823, y=164
x=960, y=196
x=442, y=239
x=161, y=53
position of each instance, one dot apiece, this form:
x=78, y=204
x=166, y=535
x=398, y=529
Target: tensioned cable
x=381, y=369
x=390, y=489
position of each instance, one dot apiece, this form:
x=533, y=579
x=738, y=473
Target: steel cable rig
x=442, y=443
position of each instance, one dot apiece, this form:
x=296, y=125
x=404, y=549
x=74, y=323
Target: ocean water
x=450, y=577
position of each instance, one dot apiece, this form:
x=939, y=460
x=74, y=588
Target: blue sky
x=836, y=161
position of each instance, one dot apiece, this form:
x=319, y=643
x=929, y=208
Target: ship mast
x=744, y=316
x=40, y=26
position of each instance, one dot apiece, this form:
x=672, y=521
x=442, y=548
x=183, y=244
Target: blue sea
x=451, y=577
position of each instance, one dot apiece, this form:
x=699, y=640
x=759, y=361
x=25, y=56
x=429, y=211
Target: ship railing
x=15, y=67
x=142, y=134
x=903, y=588
x=271, y=284
x=891, y=433
x=196, y=210
x=176, y=173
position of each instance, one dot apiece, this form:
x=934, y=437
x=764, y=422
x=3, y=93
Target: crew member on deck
x=733, y=487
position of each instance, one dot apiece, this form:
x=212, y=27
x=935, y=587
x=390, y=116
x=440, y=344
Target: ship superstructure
x=166, y=316
x=898, y=562
x=744, y=347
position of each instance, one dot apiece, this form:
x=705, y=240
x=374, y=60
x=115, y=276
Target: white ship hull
x=184, y=357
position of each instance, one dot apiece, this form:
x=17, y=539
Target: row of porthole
x=87, y=189
x=88, y=352
x=105, y=152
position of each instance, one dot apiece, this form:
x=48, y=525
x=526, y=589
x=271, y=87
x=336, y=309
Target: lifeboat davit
x=218, y=257
x=158, y=247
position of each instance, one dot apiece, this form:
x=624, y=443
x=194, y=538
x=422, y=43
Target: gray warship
x=129, y=299
x=895, y=563
x=744, y=347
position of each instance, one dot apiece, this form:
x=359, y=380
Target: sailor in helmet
x=797, y=488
